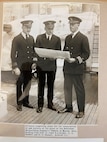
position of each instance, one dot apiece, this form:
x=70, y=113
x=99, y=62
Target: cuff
x=80, y=60
x=35, y=59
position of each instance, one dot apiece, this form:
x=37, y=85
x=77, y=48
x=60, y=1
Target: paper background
x=99, y=131
x=15, y=139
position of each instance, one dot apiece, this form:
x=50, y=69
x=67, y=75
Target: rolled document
x=50, y=53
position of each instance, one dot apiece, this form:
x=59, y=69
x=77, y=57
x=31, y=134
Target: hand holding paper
x=71, y=60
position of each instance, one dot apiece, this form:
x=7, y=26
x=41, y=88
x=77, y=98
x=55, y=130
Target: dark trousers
x=77, y=81
x=23, y=85
x=41, y=86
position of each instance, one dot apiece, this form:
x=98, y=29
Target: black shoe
x=28, y=105
x=65, y=110
x=52, y=108
x=39, y=110
x=19, y=107
x=79, y=115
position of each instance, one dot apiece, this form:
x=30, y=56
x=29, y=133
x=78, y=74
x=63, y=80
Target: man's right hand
x=16, y=71
x=71, y=60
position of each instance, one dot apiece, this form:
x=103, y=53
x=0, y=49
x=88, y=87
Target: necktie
x=27, y=37
x=72, y=35
x=48, y=38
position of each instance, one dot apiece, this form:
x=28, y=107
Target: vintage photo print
x=50, y=63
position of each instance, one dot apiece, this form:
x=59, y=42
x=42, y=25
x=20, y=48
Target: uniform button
x=71, y=47
x=27, y=46
x=28, y=57
x=27, y=51
x=44, y=58
x=35, y=59
x=71, y=53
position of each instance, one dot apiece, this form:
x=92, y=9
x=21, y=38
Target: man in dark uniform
x=46, y=67
x=22, y=53
x=78, y=46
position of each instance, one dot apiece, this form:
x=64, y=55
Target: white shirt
x=73, y=34
x=24, y=35
x=48, y=36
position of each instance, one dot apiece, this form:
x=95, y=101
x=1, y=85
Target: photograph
x=50, y=63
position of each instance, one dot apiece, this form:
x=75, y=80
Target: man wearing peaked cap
x=46, y=67
x=22, y=53
x=73, y=19
x=78, y=46
x=49, y=26
x=49, y=21
x=27, y=22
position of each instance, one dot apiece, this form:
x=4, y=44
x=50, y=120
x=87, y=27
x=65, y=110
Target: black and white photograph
x=50, y=63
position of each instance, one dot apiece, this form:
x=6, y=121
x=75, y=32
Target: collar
x=50, y=36
x=24, y=35
x=73, y=34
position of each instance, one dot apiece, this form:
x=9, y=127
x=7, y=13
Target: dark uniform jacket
x=46, y=64
x=22, y=52
x=78, y=47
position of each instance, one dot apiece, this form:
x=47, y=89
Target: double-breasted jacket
x=46, y=64
x=78, y=46
x=22, y=52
